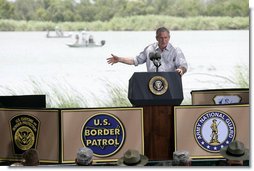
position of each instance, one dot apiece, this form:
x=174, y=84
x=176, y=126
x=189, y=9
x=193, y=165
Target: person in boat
x=77, y=39
x=168, y=57
x=47, y=35
x=91, y=40
x=58, y=31
x=84, y=38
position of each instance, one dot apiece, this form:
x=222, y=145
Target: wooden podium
x=157, y=93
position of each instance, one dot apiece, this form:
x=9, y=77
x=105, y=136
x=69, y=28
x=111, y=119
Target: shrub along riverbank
x=134, y=23
x=118, y=95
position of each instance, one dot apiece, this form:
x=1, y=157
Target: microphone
x=151, y=56
x=156, y=58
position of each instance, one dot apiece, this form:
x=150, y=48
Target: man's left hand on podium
x=180, y=71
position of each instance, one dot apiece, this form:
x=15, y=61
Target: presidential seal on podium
x=158, y=85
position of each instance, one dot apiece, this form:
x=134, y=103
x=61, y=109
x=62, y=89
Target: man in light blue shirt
x=171, y=59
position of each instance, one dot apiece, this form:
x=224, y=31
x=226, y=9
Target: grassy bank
x=61, y=95
x=134, y=23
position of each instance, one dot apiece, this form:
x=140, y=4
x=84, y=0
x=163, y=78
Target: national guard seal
x=24, y=132
x=158, y=85
x=213, y=130
x=104, y=133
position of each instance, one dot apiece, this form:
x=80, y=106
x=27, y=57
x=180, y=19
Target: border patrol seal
x=213, y=130
x=158, y=85
x=104, y=133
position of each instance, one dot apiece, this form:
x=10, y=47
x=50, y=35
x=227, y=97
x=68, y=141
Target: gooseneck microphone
x=151, y=56
x=156, y=58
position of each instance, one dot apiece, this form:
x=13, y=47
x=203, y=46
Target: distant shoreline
x=134, y=23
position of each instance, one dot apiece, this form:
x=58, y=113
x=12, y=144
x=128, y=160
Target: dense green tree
x=105, y=10
x=228, y=8
x=120, y=8
x=6, y=9
x=60, y=10
x=86, y=10
x=42, y=14
x=24, y=9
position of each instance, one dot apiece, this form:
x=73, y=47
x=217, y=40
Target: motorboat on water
x=58, y=34
x=85, y=40
x=88, y=44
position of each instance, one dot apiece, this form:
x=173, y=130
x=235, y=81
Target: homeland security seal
x=104, y=133
x=158, y=85
x=213, y=130
x=24, y=131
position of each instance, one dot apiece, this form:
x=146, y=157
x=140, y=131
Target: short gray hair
x=181, y=158
x=84, y=156
x=162, y=29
